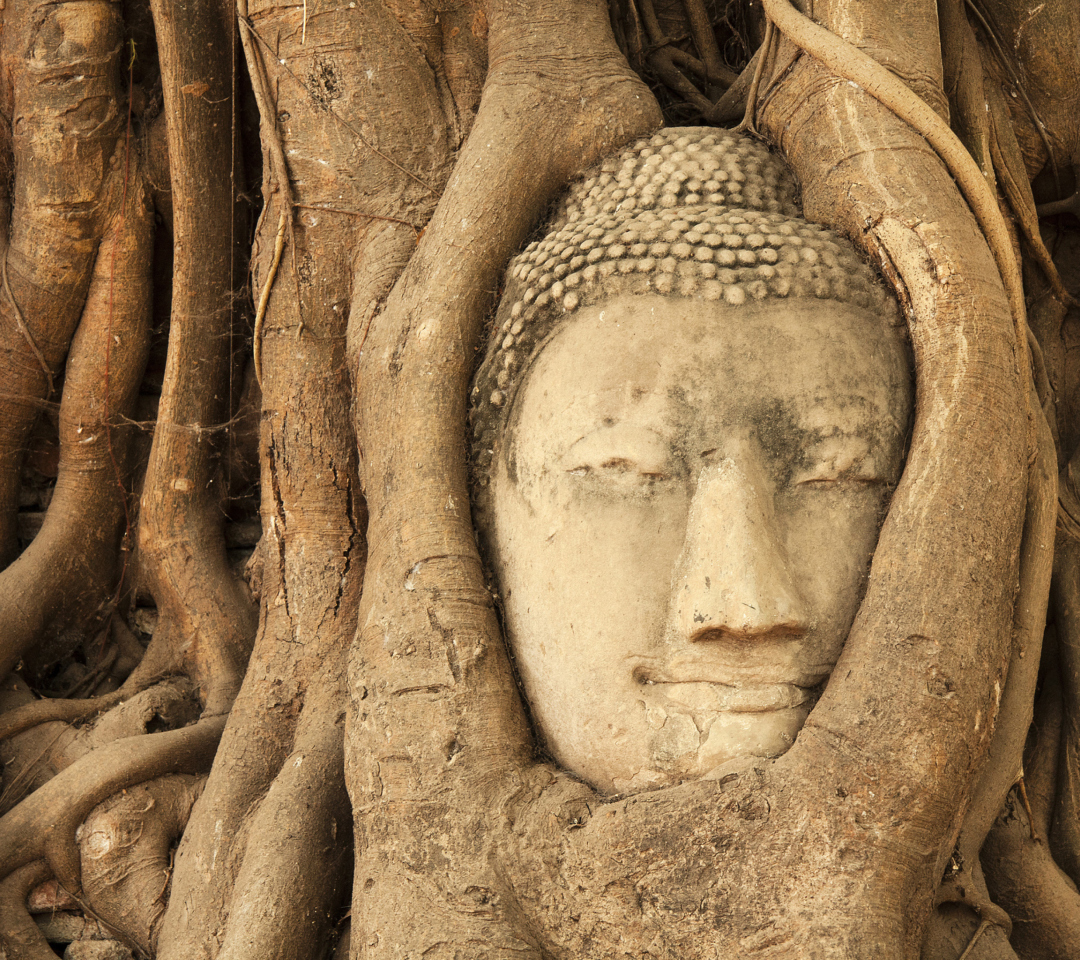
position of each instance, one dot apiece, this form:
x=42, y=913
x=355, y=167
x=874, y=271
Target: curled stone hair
x=692, y=212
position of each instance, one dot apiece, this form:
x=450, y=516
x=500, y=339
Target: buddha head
x=691, y=414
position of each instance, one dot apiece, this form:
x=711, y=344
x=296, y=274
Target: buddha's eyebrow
x=832, y=415
x=618, y=427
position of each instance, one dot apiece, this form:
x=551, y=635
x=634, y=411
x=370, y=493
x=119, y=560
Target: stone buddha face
x=682, y=523
x=686, y=431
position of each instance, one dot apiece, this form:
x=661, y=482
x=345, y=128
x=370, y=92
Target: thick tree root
x=44, y=824
x=1064, y=833
x=965, y=883
x=125, y=848
x=60, y=154
x=39, y=712
x=850, y=63
x=68, y=574
x=202, y=609
x=293, y=885
x=20, y=937
x=275, y=819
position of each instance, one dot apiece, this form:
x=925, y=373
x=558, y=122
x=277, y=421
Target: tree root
x=717, y=76
x=1005, y=762
x=850, y=63
x=983, y=926
x=34, y=757
x=68, y=574
x=293, y=882
x=264, y=296
x=44, y=824
x=752, y=94
x=20, y=937
x=61, y=208
x=1064, y=831
x=278, y=176
x=1012, y=175
x=40, y=712
x=202, y=609
x=158, y=661
x=1025, y=880
x=125, y=848
x=665, y=59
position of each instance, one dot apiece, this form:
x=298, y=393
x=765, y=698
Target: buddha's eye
x=622, y=470
x=626, y=465
x=842, y=461
x=830, y=475
x=622, y=455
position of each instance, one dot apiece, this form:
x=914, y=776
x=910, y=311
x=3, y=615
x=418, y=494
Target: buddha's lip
x=704, y=686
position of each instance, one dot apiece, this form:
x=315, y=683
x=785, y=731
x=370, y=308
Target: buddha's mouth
x=703, y=689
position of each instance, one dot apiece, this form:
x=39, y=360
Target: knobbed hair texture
x=693, y=212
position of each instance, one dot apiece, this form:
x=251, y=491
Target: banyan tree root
x=44, y=824
x=850, y=63
x=1021, y=872
x=68, y=574
x=1034, y=56
x=964, y=882
x=1064, y=827
x=275, y=820
x=981, y=119
x=203, y=611
x=34, y=757
x=63, y=60
x=125, y=850
x=20, y=936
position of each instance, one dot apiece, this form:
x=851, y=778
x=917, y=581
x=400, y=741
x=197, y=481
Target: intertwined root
x=126, y=847
x=77, y=256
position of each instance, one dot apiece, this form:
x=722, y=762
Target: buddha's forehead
x=670, y=363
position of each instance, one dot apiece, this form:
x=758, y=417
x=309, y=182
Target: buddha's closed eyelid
x=861, y=471
x=846, y=476
x=843, y=458
x=621, y=449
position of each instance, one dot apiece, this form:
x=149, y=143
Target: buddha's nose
x=734, y=578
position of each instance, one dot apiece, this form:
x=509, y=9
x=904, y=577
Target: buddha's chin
x=688, y=747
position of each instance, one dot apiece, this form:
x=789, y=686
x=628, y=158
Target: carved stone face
x=683, y=522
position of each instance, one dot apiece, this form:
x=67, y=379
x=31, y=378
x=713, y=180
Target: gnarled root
x=20, y=938
x=35, y=756
x=44, y=824
x=125, y=849
x=68, y=573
